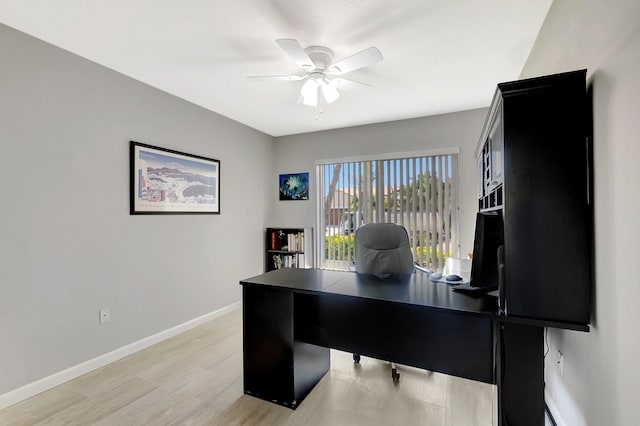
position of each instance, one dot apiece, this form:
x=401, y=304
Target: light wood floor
x=196, y=379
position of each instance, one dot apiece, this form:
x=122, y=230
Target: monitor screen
x=489, y=235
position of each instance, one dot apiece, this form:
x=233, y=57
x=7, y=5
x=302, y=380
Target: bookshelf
x=288, y=248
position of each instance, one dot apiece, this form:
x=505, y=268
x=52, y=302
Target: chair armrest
x=422, y=268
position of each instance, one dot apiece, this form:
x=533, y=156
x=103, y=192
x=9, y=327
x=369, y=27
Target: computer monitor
x=489, y=235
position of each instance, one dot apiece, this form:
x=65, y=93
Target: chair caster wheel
x=356, y=358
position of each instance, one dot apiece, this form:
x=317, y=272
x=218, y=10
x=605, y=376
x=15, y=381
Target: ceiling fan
x=321, y=85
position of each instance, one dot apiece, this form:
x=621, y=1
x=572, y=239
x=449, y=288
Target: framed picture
x=164, y=181
x=294, y=186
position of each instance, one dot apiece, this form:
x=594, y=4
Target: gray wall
x=68, y=244
x=601, y=380
x=298, y=153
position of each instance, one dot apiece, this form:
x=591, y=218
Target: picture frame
x=294, y=186
x=164, y=181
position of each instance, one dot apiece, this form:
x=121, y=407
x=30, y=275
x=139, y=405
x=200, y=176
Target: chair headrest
x=383, y=249
x=381, y=236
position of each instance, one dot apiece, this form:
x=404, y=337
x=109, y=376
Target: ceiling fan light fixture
x=329, y=92
x=309, y=92
x=310, y=102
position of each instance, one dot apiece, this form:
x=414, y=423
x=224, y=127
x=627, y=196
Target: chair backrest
x=383, y=249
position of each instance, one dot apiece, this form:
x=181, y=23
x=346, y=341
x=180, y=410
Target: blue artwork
x=294, y=186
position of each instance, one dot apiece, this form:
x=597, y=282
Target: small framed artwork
x=294, y=186
x=164, y=181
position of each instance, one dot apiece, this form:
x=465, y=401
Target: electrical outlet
x=560, y=362
x=104, y=315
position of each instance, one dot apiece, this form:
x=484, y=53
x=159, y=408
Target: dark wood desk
x=291, y=317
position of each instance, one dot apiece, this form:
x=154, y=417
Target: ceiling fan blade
x=296, y=52
x=276, y=77
x=347, y=84
x=356, y=61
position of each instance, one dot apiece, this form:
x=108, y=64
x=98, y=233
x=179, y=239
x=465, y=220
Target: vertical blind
x=419, y=193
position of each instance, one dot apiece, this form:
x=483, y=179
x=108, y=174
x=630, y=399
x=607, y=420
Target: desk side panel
x=311, y=364
x=520, y=375
x=267, y=315
x=423, y=337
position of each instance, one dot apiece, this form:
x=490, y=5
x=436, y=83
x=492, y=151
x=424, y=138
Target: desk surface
x=413, y=289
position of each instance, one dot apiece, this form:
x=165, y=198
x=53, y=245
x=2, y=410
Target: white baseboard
x=56, y=379
x=555, y=411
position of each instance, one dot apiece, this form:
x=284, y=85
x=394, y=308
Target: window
x=417, y=191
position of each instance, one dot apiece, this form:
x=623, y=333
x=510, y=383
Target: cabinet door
x=496, y=148
x=479, y=176
x=546, y=215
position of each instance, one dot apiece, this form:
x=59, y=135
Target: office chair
x=383, y=250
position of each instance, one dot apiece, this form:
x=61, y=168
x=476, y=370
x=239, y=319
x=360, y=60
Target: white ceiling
x=439, y=55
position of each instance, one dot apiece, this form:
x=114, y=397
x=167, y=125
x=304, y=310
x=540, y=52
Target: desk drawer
x=438, y=340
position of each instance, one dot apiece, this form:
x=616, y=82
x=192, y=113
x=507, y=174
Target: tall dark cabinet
x=533, y=170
